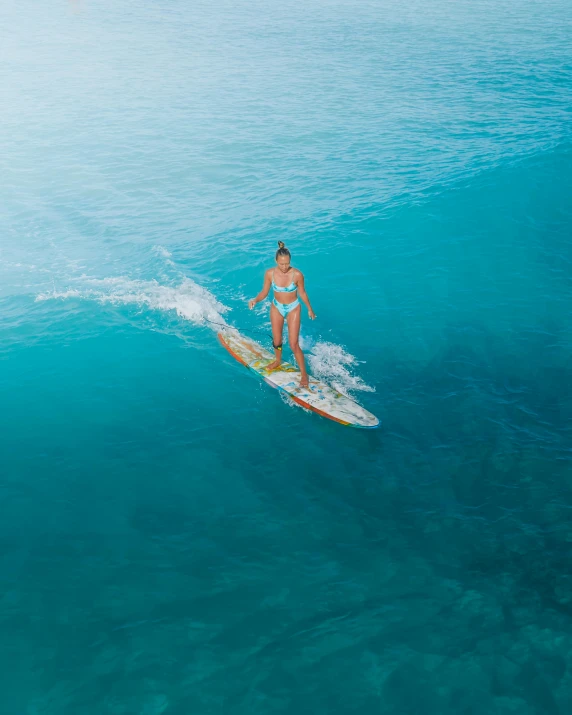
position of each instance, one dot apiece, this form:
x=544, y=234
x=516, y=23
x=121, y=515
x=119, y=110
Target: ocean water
x=176, y=539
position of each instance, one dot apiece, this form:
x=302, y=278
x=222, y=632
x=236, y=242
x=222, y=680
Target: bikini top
x=288, y=289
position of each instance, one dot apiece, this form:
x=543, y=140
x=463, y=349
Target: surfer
x=288, y=286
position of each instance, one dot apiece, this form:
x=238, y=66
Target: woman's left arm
x=304, y=296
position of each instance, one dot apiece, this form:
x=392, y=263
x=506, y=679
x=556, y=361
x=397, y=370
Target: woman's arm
x=304, y=296
x=264, y=292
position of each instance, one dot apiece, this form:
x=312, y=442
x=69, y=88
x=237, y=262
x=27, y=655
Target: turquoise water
x=175, y=538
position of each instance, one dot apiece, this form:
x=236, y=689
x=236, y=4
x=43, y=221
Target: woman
x=286, y=282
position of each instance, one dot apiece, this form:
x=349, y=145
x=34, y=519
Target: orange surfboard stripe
x=315, y=409
x=234, y=355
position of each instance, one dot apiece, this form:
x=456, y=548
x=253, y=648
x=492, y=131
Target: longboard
x=318, y=397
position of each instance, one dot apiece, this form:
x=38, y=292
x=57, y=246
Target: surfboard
x=318, y=397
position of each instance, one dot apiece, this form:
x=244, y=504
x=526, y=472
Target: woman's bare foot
x=273, y=365
x=304, y=381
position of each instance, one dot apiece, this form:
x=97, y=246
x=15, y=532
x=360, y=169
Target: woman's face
x=283, y=263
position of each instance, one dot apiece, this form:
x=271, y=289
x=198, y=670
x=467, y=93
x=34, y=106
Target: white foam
x=164, y=253
x=188, y=299
x=332, y=364
x=63, y=294
x=161, y=251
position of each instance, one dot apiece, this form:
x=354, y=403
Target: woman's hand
x=311, y=314
x=252, y=303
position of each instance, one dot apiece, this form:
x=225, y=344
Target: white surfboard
x=318, y=397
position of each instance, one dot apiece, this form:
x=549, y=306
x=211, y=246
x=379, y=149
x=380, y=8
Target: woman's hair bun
x=282, y=250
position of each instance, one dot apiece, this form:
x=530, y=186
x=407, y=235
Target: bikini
x=284, y=308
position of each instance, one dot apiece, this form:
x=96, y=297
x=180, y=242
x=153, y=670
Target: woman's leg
x=277, y=322
x=294, y=319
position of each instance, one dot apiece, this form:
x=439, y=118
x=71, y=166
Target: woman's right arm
x=264, y=292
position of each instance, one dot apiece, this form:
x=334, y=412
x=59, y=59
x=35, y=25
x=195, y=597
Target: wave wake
x=327, y=361
x=188, y=299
